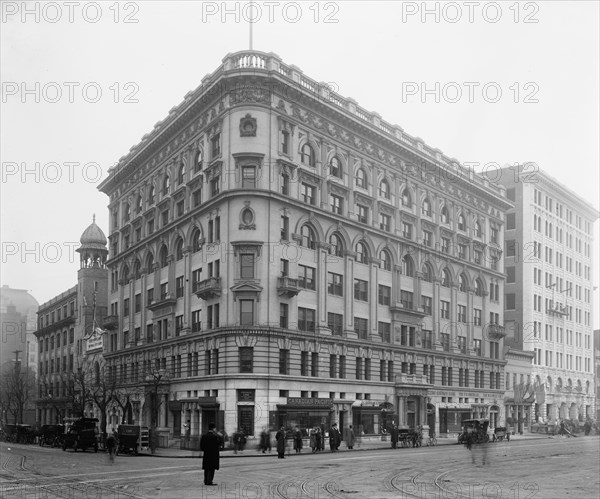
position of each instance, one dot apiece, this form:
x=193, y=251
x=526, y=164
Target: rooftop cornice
x=262, y=64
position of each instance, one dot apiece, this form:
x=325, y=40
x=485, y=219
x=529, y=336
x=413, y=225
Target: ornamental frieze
x=250, y=94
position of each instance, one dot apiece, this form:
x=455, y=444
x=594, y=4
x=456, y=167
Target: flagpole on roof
x=251, y=11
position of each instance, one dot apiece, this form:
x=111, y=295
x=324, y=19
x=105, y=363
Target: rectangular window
x=384, y=329
x=462, y=313
x=477, y=316
x=306, y=319
x=427, y=302
x=307, y=194
x=335, y=284
x=406, y=298
x=178, y=325
x=427, y=238
x=216, y=145
x=332, y=365
x=283, y=315
x=179, y=287
x=361, y=327
x=126, y=306
x=511, y=222
x=359, y=368
x=306, y=277
x=406, y=230
x=285, y=184
x=246, y=359
x=444, y=309
x=384, y=295
x=180, y=208
x=362, y=213
x=361, y=290
x=335, y=323
x=304, y=363
x=138, y=303
x=342, y=367
x=314, y=364
x=336, y=203
x=196, y=321
x=445, y=245
x=285, y=141
x=285, y=228
x=247, y=266
x=246, y=312
x=248, y=177
x=385, y=222
x=215, y=185
x=284, y=361
x=197, y=198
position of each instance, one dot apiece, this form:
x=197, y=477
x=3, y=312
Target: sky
x=488, y=83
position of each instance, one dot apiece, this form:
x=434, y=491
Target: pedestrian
x=349, y=437
x=334, y=438
x=280, y=437
x=323, y=436
x=239, y=440
x=210, y=443
x=315, y=441
x=265, y=441
x=111, y=446
x=187, y=428
x=394, y=436
x=297, y=440
x=587, y=427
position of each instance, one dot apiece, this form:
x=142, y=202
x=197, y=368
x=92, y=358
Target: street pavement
x=529, y=466
x=365, y=445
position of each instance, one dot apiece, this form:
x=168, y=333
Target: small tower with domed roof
x=92, y=276
x=93, y=251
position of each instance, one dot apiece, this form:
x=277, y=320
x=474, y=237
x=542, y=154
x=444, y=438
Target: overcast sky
x=509, y=82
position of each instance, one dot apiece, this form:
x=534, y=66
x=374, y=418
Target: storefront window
x=367, y=421
x=304, y=420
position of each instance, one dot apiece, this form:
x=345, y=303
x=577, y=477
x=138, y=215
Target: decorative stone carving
x=248, y=126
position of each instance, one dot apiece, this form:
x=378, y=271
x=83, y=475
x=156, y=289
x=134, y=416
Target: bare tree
x=17, y=388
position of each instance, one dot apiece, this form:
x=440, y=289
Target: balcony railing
x=208, y=288
x=287, y=286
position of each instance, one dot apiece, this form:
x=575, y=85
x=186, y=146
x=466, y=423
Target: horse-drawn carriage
x=51, y=434
x=475, y=431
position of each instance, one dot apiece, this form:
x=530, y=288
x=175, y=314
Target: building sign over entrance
x=312, y=402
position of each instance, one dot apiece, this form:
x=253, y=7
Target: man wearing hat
x=334, y=438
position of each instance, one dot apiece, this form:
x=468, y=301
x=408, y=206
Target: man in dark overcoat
x=280, y=437
x=394, y=436
x=210, y=443
x=334, y=437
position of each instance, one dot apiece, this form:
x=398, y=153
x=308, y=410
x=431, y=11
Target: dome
x=93, y=236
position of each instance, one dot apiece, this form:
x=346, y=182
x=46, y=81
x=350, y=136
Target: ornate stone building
x=64, y=324
x=549, y=288
x=279, y=255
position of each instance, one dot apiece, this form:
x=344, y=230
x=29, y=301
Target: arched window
x=477, y=229
x=150, y=263
x=446, y=281
x=461, y=222
x=445, y=215
x=137, y=269
x=336, y=246
x=406, y=198
x=125, y=273
x=426, y=207
x=335, y=167
x=181, y=173
x=462, y=283
x=361, y=179
x=196, y=240
x=126, y=212
x=179, y=249
x=308, y=237
x=151, y=195
x=384, y=189
x=386, y=260
x=163, y=256
x=479, y=287
x=408, y=266
x=427, y=273
x=362, y=254
x=166, y=185
x=307, y=155
x=138, y=204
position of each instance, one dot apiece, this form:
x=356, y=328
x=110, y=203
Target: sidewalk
x=251, y=450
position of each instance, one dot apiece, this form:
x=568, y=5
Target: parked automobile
x=81, y=434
